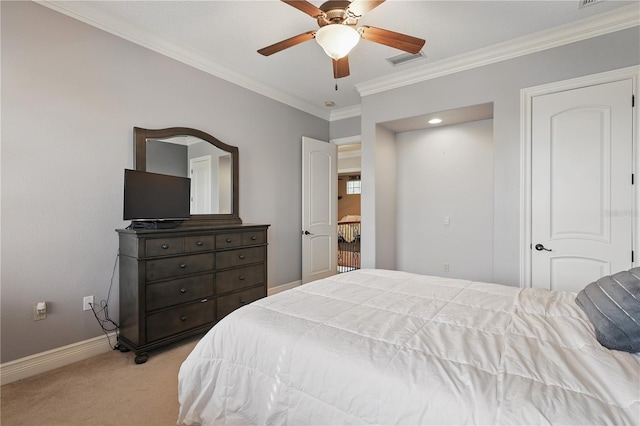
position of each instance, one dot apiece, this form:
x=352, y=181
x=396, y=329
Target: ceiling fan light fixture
x=337, y=40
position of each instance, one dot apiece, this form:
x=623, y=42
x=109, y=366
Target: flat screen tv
x=153, y=197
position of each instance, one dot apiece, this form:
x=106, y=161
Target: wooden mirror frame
x=140, y=137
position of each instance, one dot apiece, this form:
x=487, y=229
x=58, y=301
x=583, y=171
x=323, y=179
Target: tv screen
x=154, y=197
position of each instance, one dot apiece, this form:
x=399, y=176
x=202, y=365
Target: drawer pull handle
x=241, y=257
x=165, y=246
x=228, y=240
x=183, y=265
x=183, y=318
x=253, y=238
x=199, y=243
x=242, y=302
x=183, y=290
x=241, y=277
x=204, y=301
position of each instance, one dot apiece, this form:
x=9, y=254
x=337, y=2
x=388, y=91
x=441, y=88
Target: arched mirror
x=211, y=164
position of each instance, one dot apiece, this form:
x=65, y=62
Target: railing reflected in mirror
x=211, y=164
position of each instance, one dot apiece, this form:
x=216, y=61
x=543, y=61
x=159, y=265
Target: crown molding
x=347, y=112
x=616, y=20
x=180, y=53
x=605, y=23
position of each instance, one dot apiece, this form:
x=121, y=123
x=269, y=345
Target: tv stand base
x=160, y=224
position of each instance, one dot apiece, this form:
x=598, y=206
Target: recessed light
x=329, y=103
x=435, y=121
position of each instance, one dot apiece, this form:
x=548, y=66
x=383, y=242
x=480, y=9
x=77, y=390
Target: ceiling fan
x=338, y=33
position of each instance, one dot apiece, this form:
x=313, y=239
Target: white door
x=319, y=209
x=200, y=169
x=581, y=185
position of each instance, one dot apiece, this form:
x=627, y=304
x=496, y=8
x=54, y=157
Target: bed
x=390, y=347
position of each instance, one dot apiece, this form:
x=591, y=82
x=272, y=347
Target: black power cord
x=102, y=314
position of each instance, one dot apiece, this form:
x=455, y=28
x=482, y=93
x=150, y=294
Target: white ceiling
x=222, y=37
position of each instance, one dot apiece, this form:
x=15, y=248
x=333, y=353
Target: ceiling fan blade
x=284, y=44
x=305, y=7
x=392, y=39
x=360, y=7
x=341, y=67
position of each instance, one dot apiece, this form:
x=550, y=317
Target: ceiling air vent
x=585, y=3
x=405, y=57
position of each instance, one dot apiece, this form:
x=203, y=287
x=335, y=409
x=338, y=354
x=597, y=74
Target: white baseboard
x=277, y=289
x=50, y=360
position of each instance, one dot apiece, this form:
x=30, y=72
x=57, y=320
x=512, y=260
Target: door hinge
x=631, y=256
x=633, y=176
x=633, y=101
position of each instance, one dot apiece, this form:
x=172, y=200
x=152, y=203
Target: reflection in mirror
x=211, y=164
x=208, y=167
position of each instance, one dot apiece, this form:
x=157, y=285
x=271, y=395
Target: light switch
x=447, y=220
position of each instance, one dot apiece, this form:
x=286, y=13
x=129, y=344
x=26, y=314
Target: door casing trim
x=526, y=101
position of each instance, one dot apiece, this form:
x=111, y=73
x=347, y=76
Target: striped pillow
x=612, y=304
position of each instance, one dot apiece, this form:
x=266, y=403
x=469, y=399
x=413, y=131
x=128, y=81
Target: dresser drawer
x=180, y=318
x=257, y=237
x=169, y=293
x=171, y=279
x=231, y=302
x=235, y=279
x=163, y=246
x=229, y=240
x=178, y=266
x=238, y=257
x=199, y=243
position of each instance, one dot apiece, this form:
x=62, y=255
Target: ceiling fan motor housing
x=338, y=33
x=336, y=12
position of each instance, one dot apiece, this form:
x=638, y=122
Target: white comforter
x=386, y=347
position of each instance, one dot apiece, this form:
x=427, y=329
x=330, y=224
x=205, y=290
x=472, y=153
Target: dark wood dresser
x=177, y=283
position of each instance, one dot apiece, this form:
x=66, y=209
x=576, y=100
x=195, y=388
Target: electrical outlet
x=87, y=302
x=39, y=314
x=446, y=267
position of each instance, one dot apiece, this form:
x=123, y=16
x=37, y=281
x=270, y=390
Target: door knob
x=307, y=233
x=540, y=247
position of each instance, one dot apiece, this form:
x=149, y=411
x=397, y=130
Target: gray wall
x=446, y=171
x=499, y=83
x=71, y=95
x=167, y=158
x=344, y=128
x=385, y=181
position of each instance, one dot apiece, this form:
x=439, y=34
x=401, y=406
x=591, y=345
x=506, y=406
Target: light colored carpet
x=108, y=389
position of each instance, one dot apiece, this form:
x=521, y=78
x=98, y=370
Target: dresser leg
x=141, y=358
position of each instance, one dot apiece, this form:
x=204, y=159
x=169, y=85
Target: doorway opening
x=349, y=185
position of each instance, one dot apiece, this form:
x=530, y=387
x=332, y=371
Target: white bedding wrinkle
x=389, y=347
